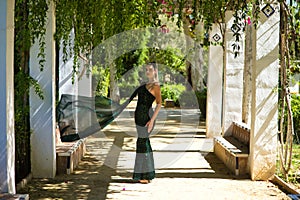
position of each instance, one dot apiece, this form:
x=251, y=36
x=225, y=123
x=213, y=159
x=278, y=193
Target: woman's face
x=150, y=71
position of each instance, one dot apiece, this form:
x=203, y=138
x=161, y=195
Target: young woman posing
x=145, y=120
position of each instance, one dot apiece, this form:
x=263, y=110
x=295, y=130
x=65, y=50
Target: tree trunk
x=194, y=70
x=113, y=85
x=197, y=69
x=188, y=65
x=246, y=104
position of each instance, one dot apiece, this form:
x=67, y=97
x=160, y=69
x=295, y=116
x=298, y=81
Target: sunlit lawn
x=294, y=173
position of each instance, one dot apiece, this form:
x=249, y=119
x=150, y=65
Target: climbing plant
x=30, y=20
x=95, y=21
x=81, y=25
x=289, y=53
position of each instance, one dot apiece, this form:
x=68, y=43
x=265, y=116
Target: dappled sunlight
x=180, y=151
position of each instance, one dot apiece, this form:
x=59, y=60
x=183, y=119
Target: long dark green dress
x=144, y=162
x=96, y=113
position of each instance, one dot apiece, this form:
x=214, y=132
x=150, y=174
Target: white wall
x=264, y=114
x=42, y=112
x=233, y=86
x=7, y=132
x=264, y=107
x=214, y=86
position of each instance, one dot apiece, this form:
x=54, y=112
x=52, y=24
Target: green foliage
x=294, y=173
x=296, y=117
x=202, y=97
x=95, y=21
x=30, y=27
x=295, y=105
x=172, y=92
x=295, y=37
x=100, y=80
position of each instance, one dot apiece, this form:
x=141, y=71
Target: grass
x=294, y=173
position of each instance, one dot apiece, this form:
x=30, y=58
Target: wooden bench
x=68, y=154
x=169, y=103
x=233, y=149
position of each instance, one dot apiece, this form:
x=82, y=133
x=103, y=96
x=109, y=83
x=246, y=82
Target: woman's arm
x=158, y=101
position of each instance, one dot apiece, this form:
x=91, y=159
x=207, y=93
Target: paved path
x=185, y=165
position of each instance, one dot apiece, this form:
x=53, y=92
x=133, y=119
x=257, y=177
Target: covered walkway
x=186, y=167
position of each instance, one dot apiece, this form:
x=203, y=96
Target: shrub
x=202, y=96
x=296, y=116
x=172, y=92
x=295, y=103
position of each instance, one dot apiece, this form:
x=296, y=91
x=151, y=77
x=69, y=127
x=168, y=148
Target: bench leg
x=236, y=166
x=68, y=164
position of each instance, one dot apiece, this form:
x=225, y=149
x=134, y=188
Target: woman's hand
x=150, y=125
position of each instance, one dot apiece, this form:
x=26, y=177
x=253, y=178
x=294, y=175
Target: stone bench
x=68, y=155
x=14, y=196
x=233, y=150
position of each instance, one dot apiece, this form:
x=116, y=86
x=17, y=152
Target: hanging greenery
x=30, y=21
x=289, y=53
x=94, y=21
x=82, y=25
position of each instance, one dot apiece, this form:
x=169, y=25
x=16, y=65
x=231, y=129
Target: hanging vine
x=81, y=25
x=289, y=52
x=30, y=21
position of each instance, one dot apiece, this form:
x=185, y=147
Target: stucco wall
x=7, y=135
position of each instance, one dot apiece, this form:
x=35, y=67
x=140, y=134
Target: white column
x=264, y=114
x=7, y=132
x=233, y=87
x=42, y=112
x=214, y=85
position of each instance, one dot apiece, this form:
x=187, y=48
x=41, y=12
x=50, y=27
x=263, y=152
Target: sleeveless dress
x=105, y=111
x=144, y=162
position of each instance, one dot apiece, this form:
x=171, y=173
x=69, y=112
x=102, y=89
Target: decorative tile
x=216, y=37
x=268, y=10
x=235, y=28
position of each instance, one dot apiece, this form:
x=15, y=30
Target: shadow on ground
x=100, y=168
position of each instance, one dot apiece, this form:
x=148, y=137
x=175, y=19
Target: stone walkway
x=185, y=165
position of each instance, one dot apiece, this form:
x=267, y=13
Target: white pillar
x=233, y=86
x=7, y=132
x=214, y=85
x=264, y=114
x=42, y=112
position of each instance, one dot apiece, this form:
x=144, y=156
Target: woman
x=145, y=120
